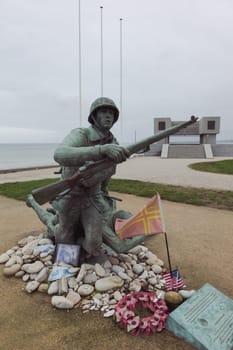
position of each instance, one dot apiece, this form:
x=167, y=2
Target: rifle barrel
x=49, y=192
x=138, y=146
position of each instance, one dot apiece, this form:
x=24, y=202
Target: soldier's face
x=104, y=118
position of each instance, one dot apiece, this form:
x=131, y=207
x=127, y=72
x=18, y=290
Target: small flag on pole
x=173, y=280
x=148, y=221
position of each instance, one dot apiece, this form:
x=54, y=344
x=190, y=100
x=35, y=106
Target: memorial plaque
x=205, y=320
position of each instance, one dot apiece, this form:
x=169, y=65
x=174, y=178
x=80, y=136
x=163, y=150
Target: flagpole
x=101, y=53
x=121, y=108
x=165, y=233
x=80, y=63
x=168, y=254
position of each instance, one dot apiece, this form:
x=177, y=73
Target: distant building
x=206, y=129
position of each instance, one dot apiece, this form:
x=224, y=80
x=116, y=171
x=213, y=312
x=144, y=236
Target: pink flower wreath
x=135, y=325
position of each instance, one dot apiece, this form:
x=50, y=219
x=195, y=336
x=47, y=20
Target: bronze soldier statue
x=87, y=208
x=82, y=211
x=86, y=214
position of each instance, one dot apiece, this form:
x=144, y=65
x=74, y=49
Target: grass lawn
x=188, y=195
x=220, y=167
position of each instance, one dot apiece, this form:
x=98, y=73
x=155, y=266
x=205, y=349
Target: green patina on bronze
x=82, y=211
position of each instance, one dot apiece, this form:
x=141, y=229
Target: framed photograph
x=67, y=253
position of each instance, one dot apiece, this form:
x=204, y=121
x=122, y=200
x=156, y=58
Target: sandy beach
x=200, y=241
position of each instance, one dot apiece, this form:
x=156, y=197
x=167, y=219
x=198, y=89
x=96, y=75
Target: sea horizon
x=26, y=155
x=19, y=155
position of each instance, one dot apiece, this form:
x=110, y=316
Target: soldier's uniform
x=86, y=213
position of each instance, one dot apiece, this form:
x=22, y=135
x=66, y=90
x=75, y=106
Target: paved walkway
x=174, y=172
x=28, y=175
x=152, y=169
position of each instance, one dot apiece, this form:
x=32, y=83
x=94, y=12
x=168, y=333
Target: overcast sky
x=177, y=62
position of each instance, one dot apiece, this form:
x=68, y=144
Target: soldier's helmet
x=103, y=102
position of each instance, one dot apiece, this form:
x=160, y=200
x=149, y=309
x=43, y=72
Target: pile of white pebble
x=97, y=286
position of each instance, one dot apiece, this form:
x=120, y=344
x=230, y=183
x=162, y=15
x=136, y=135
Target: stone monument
x=205, y=320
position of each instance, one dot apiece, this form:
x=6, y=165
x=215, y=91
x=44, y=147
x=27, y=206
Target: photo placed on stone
x=67, y=253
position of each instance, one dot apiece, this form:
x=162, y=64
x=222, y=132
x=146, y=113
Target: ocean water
x=23, y=155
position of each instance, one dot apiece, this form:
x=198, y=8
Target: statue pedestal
x=205, y=320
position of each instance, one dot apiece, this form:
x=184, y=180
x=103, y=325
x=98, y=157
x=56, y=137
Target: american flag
x=173, y=280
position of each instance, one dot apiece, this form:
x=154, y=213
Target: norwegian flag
x=173, y=280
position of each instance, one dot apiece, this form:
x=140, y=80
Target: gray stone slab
x=205, y=320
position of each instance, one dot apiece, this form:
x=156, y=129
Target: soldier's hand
x=114, y=152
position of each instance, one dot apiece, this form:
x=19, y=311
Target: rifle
x=49, y=192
